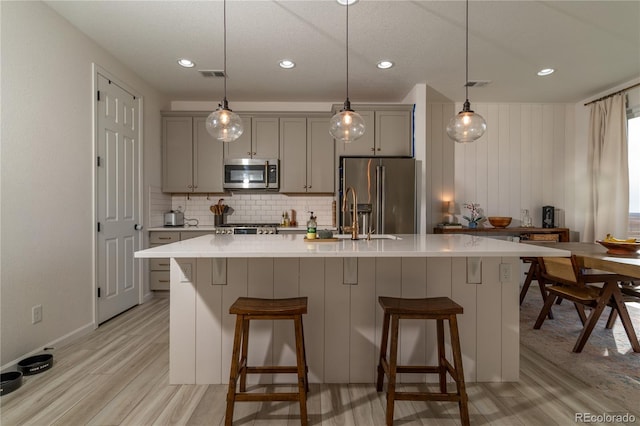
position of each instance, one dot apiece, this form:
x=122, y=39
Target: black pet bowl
x=35, y=364
x=10, y=382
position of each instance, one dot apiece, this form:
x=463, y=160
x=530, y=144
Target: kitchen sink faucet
x=354, y=213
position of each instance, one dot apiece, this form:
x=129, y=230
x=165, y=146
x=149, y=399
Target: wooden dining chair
x=579, y=286
x=533, y=274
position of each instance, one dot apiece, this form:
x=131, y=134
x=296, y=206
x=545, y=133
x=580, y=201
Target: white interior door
x=118, y=199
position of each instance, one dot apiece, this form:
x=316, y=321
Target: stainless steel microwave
x=250, y=173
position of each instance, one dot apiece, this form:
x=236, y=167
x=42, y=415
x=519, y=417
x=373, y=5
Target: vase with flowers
x=475, y=216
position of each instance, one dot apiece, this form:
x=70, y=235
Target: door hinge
x=99, y=291
x=98, y=226
x=98, y=96
x=98, y=161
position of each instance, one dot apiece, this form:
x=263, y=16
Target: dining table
x=595, y=257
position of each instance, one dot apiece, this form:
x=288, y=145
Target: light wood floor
x=118, y=375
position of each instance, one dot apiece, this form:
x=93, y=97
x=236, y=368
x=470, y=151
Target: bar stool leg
x=304, y=358
x=233, y=375
x=383, y=351
x=442, y=365
x=302, y=375
x=245, y=351
x=457, y=360
x=393, y=363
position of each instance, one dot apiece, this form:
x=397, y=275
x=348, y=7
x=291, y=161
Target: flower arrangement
x=475, y=215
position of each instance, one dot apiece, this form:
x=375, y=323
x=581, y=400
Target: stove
x=247, y=228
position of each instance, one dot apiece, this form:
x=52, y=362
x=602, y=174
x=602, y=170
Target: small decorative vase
x=473, y=225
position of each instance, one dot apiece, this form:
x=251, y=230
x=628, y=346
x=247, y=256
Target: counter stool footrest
x=417, y=369
x=422, y=396
x=272, y=369
x=284, y=396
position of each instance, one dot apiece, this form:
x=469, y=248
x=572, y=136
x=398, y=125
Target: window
x=633, y=123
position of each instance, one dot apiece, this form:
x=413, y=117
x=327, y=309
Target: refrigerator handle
x=380, y=181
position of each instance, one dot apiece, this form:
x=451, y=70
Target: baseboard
x=62, y=341
x=147, y=297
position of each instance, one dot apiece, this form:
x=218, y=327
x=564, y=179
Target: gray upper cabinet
x=388, y=132
x=259, y=140
x=192, y=159
x=306, y=155
x=320, y=156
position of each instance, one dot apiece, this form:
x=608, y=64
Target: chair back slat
x=560, y=268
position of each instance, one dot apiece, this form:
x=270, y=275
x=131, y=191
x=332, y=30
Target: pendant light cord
x=224, y=38
x=347, y=51
x=466, y=48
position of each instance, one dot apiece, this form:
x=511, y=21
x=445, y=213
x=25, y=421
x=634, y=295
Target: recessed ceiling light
x=187, y=63
x=383, y=65
x=546, y=71
x=286, y=64
x=347, y=2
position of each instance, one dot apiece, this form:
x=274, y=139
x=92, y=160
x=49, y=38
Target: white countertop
x=211, y=228
x=294, y=245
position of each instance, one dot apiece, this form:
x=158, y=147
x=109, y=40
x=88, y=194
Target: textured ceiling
x=593, y=45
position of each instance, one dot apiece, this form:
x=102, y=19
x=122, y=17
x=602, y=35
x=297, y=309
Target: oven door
x=251, y=174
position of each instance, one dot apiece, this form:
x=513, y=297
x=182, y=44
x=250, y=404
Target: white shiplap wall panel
x=522, y=162
x=512, y=207
x=439, y=163
x=525, y=162
x=504, y=160
x=437, y=176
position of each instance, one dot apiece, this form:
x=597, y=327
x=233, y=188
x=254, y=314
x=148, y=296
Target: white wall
x=525, y=160
x=46, y=174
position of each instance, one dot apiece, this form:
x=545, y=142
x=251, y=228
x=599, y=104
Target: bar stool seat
x=436, y=308
x=247, y=309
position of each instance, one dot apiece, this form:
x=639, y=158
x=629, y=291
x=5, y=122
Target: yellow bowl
x=499, y=221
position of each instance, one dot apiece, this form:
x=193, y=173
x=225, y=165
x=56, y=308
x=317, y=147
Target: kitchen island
x=342, y=280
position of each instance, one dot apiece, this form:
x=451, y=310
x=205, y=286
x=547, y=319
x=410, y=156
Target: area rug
x=607, y=361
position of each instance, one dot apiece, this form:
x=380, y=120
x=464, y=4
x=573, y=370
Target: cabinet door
x=393, y=133
x=240, y=148
x=207, y=159
x=177, y=154
x=364, y=145
x=265, y=137
x=293, y=155
x=320, y=156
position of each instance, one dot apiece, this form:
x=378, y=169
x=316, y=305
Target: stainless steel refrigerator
x=386, y=192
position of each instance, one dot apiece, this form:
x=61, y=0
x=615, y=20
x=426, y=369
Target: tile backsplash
x=255, y=207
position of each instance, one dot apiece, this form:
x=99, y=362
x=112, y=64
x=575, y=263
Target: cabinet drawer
x=163, y=237
x=159, y=264
x=192, y=234
x=159, y=280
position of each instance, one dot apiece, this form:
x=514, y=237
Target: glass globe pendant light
x=347, y=125
x=224, y=124
x=467, y=126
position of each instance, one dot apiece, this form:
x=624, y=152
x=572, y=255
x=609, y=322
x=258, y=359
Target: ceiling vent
x=477, y=83
x=211, y=73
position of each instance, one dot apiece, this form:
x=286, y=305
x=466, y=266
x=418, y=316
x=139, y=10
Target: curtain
x=608, y=160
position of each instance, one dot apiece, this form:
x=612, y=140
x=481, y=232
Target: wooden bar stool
x=247, y=309
x=436, y=308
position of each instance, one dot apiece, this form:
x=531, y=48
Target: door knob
x=137, y=227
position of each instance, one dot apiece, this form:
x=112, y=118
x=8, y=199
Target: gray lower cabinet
x=159, y=268
x=306, y=155
x=388, y=132
x=192, y=160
